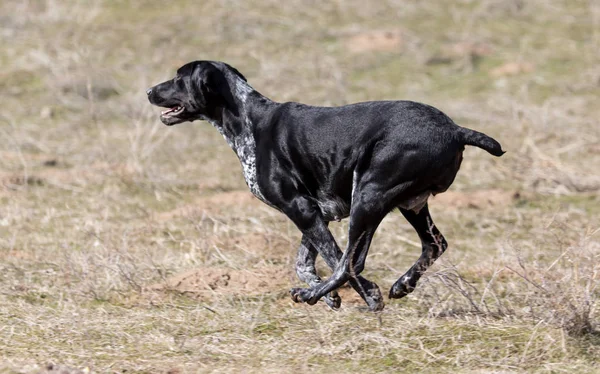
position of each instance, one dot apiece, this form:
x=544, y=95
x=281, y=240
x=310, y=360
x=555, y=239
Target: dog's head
x=200, y=90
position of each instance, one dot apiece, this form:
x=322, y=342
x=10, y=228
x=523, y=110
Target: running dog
x=319, y=164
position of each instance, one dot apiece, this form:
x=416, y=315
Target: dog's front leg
x=314, y=229
x=348, y=269
x=306, y=271
x=318, y=235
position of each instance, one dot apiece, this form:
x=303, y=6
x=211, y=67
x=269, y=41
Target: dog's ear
x=214, y=86
x=236, y=72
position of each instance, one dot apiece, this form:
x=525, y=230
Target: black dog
x=318, y=164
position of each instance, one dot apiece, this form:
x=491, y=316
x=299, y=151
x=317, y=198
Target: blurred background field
x=127, y=246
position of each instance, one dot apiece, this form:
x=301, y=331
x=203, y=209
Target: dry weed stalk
x=565, y=294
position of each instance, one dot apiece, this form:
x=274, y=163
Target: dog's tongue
x=169, y=110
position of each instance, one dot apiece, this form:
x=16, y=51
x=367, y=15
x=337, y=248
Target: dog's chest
x=245, y=148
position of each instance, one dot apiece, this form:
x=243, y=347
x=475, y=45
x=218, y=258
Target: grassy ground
x=127, y=246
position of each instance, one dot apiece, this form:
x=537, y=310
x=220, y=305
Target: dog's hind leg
x=307, y=273
x=433, y=244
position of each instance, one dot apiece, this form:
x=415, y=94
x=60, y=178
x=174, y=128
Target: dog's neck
x=238, y=128
x=236, y=125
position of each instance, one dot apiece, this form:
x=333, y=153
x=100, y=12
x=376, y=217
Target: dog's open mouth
x=172, y=115
x=173, y=112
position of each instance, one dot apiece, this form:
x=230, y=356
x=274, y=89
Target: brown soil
x=268, y=245
x=376, y=40
x=214, y=204
x=351, y=297
x=215, y=281
x=463, y=49
x=512, y=68
x=481, y=199
x=50, y=171
x=209, y=282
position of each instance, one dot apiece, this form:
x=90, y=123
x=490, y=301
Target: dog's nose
x=149, y=91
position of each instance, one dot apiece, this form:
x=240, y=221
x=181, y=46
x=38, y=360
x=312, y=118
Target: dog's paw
x=333, y=300
x=374, y=299
x=303, y=295
x=401, y=289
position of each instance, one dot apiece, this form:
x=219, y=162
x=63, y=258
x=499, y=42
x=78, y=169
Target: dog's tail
x=478, y=139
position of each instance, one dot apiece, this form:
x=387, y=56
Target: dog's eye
x=178, y=81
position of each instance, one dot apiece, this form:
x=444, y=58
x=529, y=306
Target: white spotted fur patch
x=245, y=147
x=244, y=144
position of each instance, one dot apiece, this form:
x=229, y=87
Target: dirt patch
x=459, y=51
x=213, y=204
x=351, y=297
x=53, y=172
x=227, y=200
x=512, y=68
x=376, y=40
x=266, y=245
x=16, y=254
x=210, y=281
x=481, y=199
x=463, y=49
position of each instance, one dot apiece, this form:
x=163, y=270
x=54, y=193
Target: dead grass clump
x=567, y=292
x=480, y=199
x=61, y=369
x=562, y=291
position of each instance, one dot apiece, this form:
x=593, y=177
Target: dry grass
x=102, y=209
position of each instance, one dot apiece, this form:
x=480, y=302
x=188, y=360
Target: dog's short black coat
x=318, y=164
